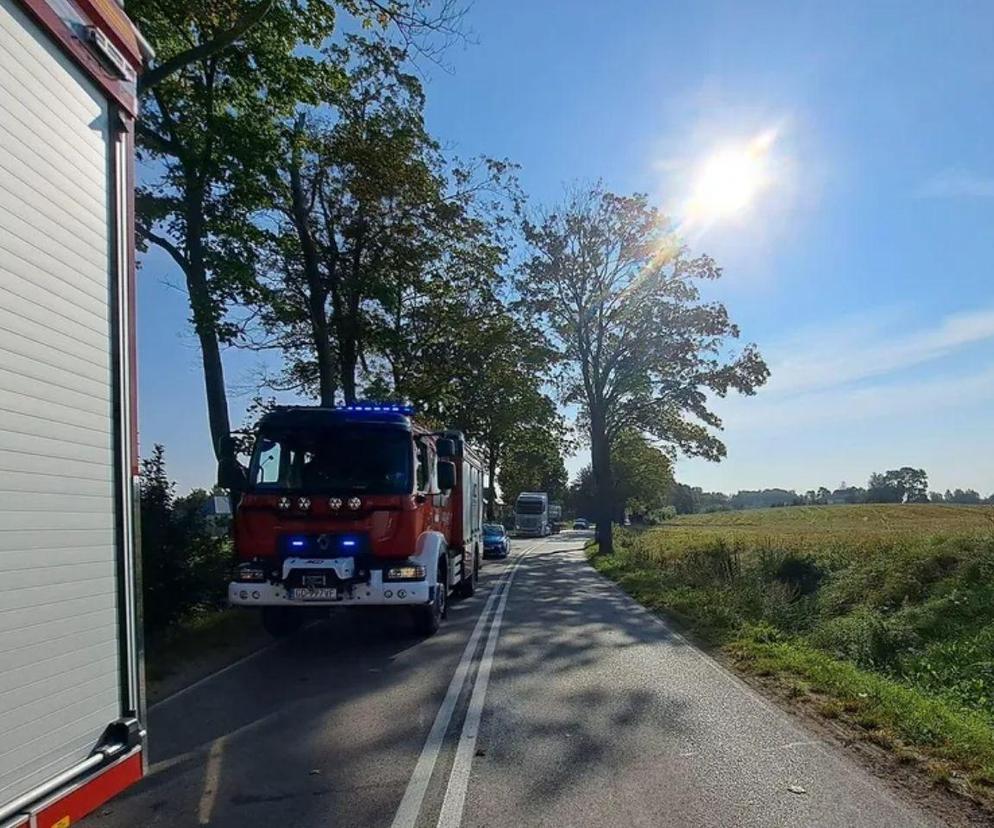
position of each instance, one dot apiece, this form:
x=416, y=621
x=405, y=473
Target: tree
x=486, y=380
x=764, y=499
x=382, y=248
x=643, y=481
x=206, y=123
x=639, y=350
x=969, y=496
x=904, y=485
x=643, y=476
x=682, y=499
x=533, y=463
x=351, y=191
x=229, y=77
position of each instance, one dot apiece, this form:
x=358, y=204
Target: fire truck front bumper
x=403, y=585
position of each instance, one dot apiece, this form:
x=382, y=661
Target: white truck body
x=70, y=655
x=531, y=514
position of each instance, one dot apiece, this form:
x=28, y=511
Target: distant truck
x=72, y=717
x=555, y=517
x=531, y=514
x=355, y=506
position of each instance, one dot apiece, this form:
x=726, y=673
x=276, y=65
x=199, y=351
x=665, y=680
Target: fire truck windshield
x=340, y=459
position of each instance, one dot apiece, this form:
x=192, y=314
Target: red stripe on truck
x=91, y=794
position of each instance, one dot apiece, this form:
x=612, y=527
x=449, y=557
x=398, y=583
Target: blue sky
x=864, y=267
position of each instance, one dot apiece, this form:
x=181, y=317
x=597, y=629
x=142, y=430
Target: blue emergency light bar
x=388, y=408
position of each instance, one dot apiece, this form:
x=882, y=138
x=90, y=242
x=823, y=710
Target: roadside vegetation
x=185, y=565
x=882, y=616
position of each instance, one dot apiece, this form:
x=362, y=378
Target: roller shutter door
x=59, y=637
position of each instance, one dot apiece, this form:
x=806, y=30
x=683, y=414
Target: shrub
x=184, y=566
x=866, y=638
x=713, y=561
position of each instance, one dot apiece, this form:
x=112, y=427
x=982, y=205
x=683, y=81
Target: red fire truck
x=71, y=701
x=351, y=507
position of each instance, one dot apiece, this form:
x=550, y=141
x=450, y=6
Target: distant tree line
x=904, y=485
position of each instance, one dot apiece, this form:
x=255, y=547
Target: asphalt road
x=549, y=698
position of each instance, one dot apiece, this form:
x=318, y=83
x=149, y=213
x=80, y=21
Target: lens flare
x=728, y=181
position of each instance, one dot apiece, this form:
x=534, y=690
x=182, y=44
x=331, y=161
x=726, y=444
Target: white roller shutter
x=59, y=637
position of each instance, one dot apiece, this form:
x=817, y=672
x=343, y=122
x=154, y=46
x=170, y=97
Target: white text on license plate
x=314, y=594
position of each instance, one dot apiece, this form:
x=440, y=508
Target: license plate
x=314, y=594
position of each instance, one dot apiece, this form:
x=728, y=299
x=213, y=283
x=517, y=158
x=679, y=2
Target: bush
x=714, y=561
x=184, y=566
x=866, y=638
x=961, y=670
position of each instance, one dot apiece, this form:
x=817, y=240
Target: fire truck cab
x=354, y=506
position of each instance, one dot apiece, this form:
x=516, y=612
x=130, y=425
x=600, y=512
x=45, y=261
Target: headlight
x=404, y=573
x=249, y=572
x=334, y=503
x=354, y=503
x=303, y=503
x=283, y=504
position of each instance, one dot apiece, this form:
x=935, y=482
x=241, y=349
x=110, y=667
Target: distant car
x=581, y=523
x=496, y=543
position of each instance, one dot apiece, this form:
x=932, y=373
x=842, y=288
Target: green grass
x=884, y=612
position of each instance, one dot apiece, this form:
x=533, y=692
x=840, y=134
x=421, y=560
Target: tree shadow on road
x=561, y=663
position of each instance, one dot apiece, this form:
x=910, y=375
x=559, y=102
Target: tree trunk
x=203, y=322
x=345, y=333
x=317, y=293
x=492, y=454
x=600, y=462
x=348, y=359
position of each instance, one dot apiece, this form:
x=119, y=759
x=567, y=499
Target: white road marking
x=410, y=805
x=455, y=793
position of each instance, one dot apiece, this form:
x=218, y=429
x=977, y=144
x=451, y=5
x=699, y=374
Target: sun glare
x=728, y=182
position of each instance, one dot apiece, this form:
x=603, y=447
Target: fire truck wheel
x=428, y=619
x=467, y=587
x=280, y=622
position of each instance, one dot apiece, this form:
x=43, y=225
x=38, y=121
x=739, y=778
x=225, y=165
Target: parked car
x=581, y=523
x=496, y=543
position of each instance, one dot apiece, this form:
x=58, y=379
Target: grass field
x=881, y=615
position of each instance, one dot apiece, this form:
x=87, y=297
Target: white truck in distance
x=531, y=514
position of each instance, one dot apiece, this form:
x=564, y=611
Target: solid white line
x=410, y=805
x=455, y=793
x=417, y=786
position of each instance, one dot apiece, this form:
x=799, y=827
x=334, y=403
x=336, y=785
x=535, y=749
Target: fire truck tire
x=428, y=619
x=467, y=587
x=280, y=622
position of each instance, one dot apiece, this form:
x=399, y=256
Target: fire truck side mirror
x=230, y=474
x=446, y=476
x=445, y=447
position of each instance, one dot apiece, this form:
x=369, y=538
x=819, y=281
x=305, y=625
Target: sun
x=727, y=182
